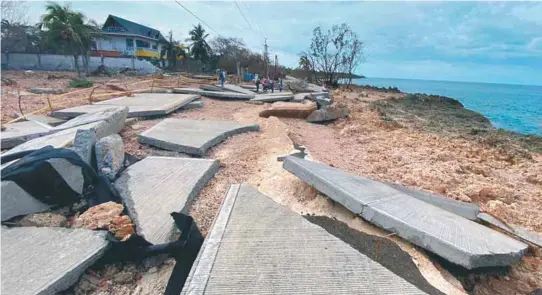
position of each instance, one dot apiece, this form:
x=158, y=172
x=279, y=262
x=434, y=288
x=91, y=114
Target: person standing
x=258, y=82
x=280, y=84
x=222, y=78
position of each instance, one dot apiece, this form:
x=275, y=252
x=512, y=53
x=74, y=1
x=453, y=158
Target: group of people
x=268, y=83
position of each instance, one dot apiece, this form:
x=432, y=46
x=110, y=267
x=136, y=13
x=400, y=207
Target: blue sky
x=499, y=42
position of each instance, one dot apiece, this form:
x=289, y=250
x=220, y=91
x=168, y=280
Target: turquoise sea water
x=507, y=106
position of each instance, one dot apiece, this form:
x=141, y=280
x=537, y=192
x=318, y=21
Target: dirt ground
x=366, y=145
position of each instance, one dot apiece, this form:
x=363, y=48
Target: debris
x=83, y=144
x=329, y=113
x=47, y=260
x=214, y=94
x=273, y=97
x=44, y=219
x=235, y=88
x=109, y=155
x=102, y=70
x=193, y=137
x=16, y=201
x=81, y=83
x=175, y=182
x=8, y=82
x=45, y=120
x=106, y=216
x=512, y=229
x=233, y=254
x=197, y=104
x=115, y=87
x=450, y=236
x=111, y=121
x=290, y=109
x=211, y=88
x=320, y=100
x=20, y=132
x=46, y=91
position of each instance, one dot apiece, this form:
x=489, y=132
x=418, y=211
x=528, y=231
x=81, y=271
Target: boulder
x=83, y=144
x=329, y=113
x=290, y=109
x=109, y=155
x=321, y=100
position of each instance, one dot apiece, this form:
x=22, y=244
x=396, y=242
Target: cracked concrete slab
x=20, y=132
x=113, y=119
x=215, y=94
x=450, y=236
x=272, y=97
x=257, y=246
x=157, y=186
x=16, y=201
x=193, y=137
x=235, y=88
x=522, y=233
x=139, y=105
x=43, y=260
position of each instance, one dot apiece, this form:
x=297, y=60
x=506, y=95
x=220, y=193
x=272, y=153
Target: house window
x=129, y=43
x=142, y=44
x=154, y=46
x=94, y=45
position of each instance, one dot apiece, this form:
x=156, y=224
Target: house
x=121, y=37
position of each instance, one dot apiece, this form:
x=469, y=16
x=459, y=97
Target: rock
x=46, y=91
x=44, y=219
x=83, y=144
x=329, y=113
x=290, y=109
x=109, y=155
x=321, y=100
x=106, y=216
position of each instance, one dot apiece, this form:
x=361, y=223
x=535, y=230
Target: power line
x=257, y=25
x=197, y=17
x=243, y=14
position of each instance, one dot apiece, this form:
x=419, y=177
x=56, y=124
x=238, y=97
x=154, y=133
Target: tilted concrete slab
x=450, y=236
x=257, y=246
x=42, y=260
x=20, y=132
x=45, y=120
x=193, y=137
x=214, y=94
x=235, y=88
x=16, y=201
x=273, y=97
x=113, y=119
x=210, y=88
x=156, y=186
x=139, y=105
x=467, y=210
x=522, y=233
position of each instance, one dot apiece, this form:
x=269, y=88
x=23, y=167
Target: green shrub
x=81, y=83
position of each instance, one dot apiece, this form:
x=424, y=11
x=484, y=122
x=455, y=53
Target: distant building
x=122, y=37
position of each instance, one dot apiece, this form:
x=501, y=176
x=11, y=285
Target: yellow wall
x=146, y=53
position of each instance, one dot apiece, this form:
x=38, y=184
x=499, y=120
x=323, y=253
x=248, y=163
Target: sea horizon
x=513, y=107
x=451, y=81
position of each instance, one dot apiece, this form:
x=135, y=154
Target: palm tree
x=305, y=65
x=199, y=48
x=67, y=32
x=172, y=50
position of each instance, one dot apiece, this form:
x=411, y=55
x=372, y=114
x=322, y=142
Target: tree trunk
x=87, y=59
x=76, y=63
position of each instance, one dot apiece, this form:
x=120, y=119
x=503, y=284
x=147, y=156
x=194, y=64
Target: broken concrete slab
x=20, y=132
x=16, y=201
x=299, y=97
x=215, y=94
x=139, y=105
x=109, y=155
x=235, y=88
x=290, y=109
x=156, y=186
x=257, y=246
x=193, y=137
x=83, y=144
x=450, y=236
x=466, y=210
x=517, y=231
x=321, y=100
x=211, y=88
x=45, y=120
x=273, y=97
x=113, y=119
x=329, y=113
x=42, y=260
x=248, y=86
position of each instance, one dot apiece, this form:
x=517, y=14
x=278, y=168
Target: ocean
x=512, y=107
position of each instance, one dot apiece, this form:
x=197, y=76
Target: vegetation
x=331, y=53
x=67, y=32
x=172, y=50
x=199, y=49
x=81, y=83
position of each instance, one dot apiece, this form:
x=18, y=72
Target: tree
x=67, y=32
x=330, y=52
x=172, y=50
x=199, y=48
x=306, y=66
x=14, y=12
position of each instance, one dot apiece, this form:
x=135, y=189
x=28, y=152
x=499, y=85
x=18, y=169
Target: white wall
x=51, y=62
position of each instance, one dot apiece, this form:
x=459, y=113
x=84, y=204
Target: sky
x=493, y=42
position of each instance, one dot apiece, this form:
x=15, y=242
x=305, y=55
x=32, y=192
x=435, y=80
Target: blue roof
x=130, y=27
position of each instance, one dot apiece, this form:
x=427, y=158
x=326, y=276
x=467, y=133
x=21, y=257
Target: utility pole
x=276, y=63
x=266, y=58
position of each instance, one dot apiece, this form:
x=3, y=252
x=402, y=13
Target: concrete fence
x=53, y=62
